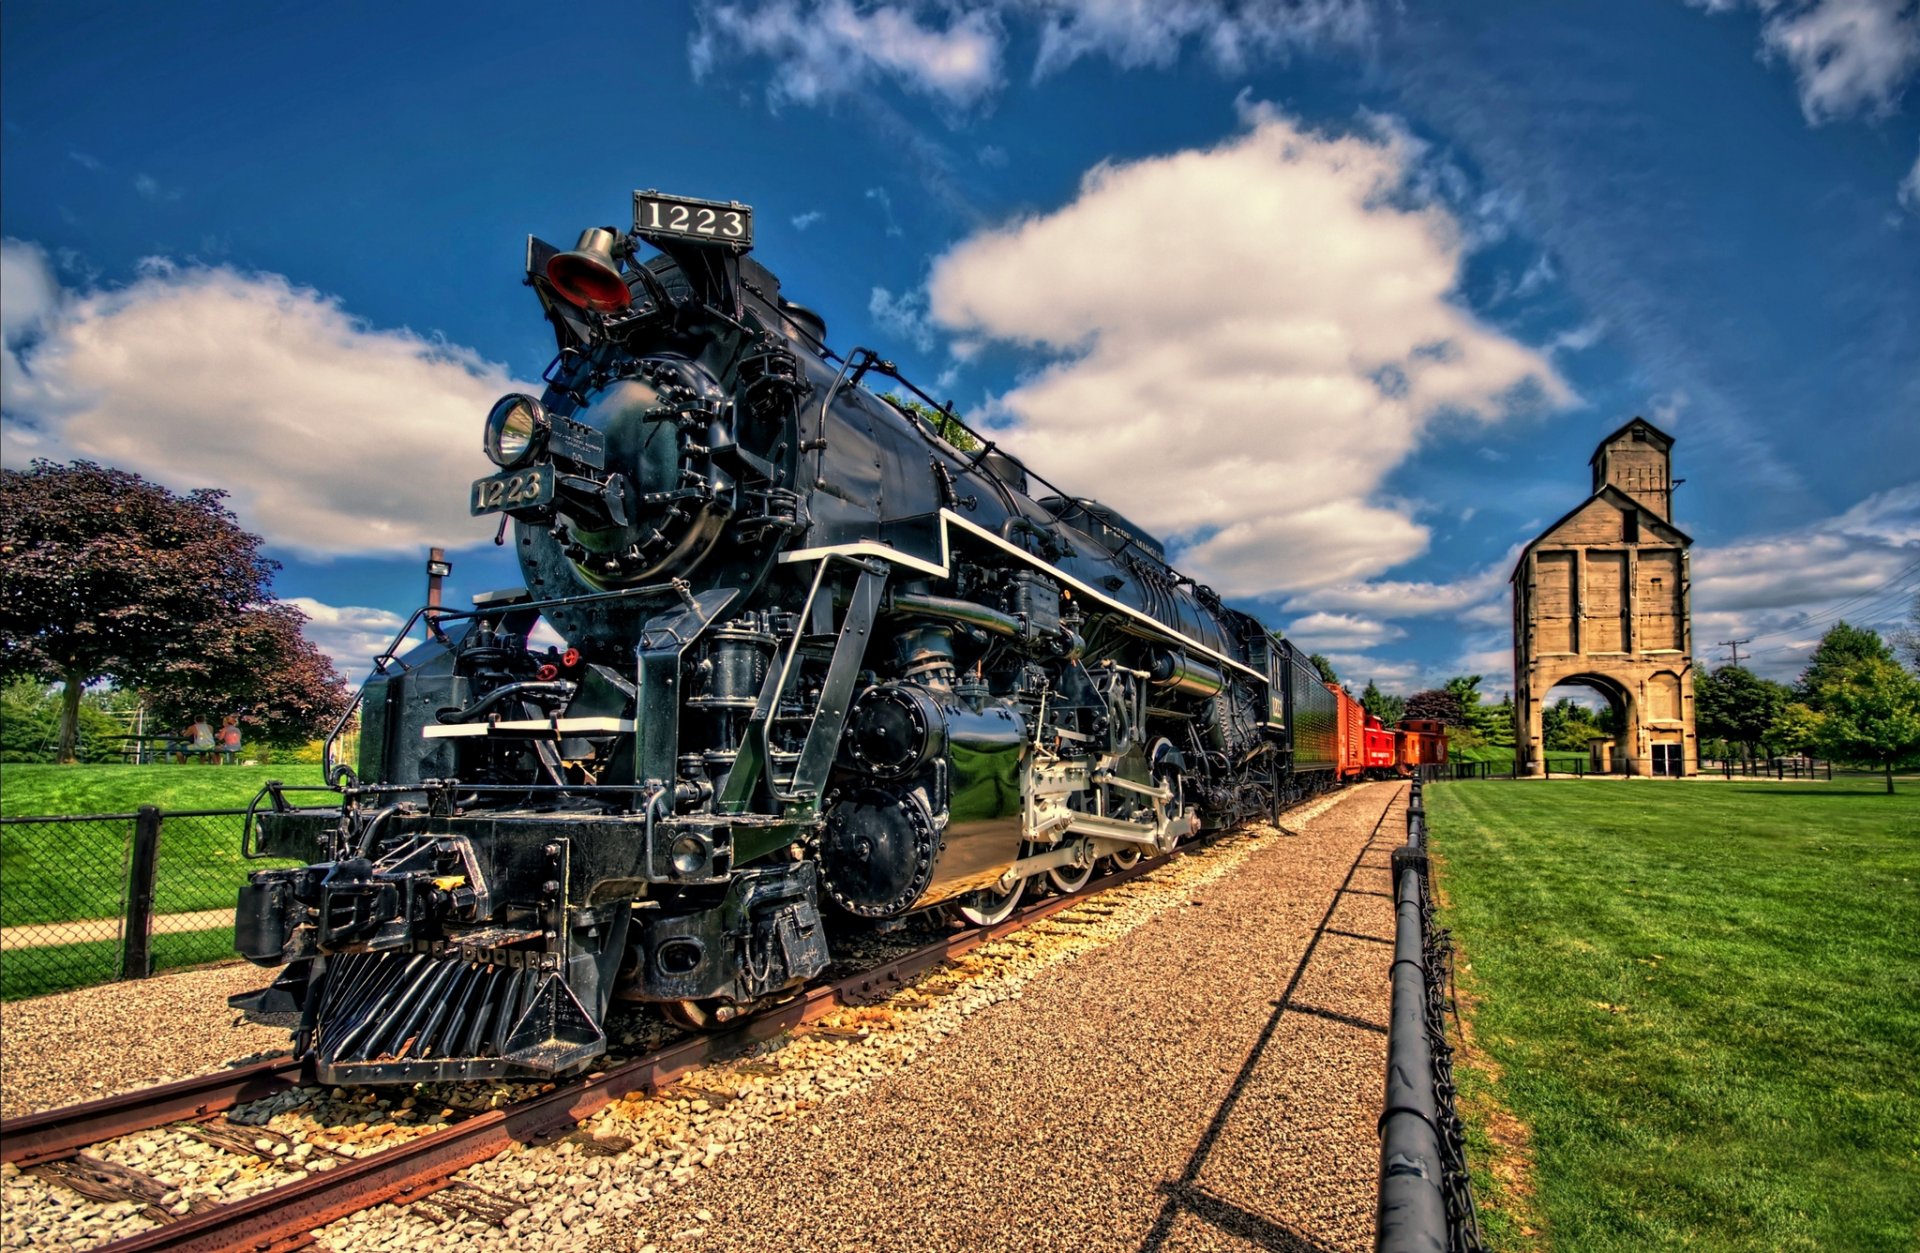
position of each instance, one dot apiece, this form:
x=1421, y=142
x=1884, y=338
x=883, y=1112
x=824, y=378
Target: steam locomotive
x=823, y=663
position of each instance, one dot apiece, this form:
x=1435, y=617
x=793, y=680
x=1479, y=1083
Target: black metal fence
x=93, y=898
x=1426, y=1197
x=1767, y=768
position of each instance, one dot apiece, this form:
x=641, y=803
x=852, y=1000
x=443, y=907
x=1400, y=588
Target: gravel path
x=1144, y=1096
x=77, y=1046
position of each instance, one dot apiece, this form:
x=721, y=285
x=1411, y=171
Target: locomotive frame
x=823, y=668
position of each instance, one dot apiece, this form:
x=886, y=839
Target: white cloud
x=1783, y=591
x=332, y=436
x=801, y=221
x=1400, y=598
x=1847, y=56
x=880, y=197
x=353, y=635
x=1319, y=631
x=1138, y=33
x=1243, y=385
x=822, y=51
x=151, y=188
x=904, y=315
x=1910, y=188
x=31, y=299
x=1579, y=339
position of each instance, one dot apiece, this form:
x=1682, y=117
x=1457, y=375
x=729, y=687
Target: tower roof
x=1661, y=437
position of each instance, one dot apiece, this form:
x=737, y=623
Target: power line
x=1734, y=645
x=1892, y=589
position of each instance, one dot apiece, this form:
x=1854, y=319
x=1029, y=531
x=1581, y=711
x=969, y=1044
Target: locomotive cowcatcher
x=821, y=665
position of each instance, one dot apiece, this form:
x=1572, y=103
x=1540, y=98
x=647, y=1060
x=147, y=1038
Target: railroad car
x=1419, y=742
x=823, y=666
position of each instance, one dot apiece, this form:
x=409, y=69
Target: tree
x=1795, y=730
x=1871, y=716
x=1839, y=648
x=104, y=575
x=1438, y=706
x=1325, y=667
x=1568, y=727
x=939, y=421
x=262, y=668
x=1389, y=709
x=1734, y=703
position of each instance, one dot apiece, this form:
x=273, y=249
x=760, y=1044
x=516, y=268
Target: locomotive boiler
x=822, y=667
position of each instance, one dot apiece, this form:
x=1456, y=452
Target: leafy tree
x=1437, y=705
x=1325, y=667
x=1734, y=703
x=1568, y=727
x=940, y=422
x=1795, y=730
x=285, y=691
x=1389, y=709
x=1871, y=716
x=104, y=575
x=1839, y=648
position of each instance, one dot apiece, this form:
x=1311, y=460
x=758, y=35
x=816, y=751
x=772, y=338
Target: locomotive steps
x=624, y=1181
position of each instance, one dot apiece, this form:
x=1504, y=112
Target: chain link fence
x=89, y=899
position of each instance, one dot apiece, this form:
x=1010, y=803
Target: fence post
x=136, y=942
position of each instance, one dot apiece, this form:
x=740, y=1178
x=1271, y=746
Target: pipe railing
x=1426, y=1198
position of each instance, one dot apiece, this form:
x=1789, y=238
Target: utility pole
x=1734, y=645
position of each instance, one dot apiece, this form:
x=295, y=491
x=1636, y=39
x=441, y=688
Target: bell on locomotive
x=823, y=667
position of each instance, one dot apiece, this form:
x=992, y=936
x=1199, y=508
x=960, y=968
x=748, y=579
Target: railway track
x=52, y=1144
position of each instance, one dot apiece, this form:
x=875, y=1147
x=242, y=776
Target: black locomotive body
x=820, y=661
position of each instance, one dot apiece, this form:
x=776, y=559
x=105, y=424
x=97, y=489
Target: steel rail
x=60, y=1133
x=282, y=1218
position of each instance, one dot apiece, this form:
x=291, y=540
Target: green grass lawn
x=27, y=789
x=1702, y=1001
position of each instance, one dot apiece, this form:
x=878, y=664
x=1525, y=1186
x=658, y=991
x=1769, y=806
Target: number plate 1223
x=709, y=221
x=516, y=489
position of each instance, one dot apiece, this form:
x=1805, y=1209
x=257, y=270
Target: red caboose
x=1420, y=742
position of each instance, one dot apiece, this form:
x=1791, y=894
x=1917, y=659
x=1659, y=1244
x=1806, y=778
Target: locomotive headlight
x=514, y=429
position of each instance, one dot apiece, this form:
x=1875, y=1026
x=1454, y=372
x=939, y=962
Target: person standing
x=228, y=738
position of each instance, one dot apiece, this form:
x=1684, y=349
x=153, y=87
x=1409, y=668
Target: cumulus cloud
x=1847, y=56
x=353, y=635
x=323, y=429
x=1244, y=382
x=953, y=52
x=1319, y=631
x=833, y=48
x=801, y=221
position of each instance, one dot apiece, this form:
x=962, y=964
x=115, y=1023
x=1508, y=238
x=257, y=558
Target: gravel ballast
x=79, y=1046
x=1116, y=1076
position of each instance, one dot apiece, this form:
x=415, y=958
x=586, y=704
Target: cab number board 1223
x=677, y=217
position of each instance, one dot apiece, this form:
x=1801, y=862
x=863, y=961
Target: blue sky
x=1337, y=295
